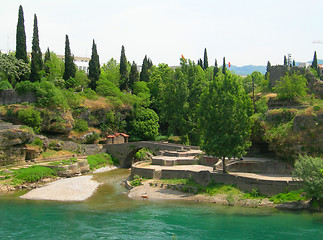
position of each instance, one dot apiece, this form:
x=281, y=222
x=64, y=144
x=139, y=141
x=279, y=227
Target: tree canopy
x=225, y=111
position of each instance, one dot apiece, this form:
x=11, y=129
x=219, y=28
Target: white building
x=304, y=64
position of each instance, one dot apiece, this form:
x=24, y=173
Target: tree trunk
x=224, y=167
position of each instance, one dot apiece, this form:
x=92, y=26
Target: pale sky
x=244, y=31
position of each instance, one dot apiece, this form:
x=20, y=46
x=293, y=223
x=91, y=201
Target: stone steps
x=180, y=157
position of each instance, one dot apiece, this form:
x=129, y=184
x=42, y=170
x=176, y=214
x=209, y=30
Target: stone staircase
x=179, y=157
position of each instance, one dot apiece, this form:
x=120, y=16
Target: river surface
x=110, y=214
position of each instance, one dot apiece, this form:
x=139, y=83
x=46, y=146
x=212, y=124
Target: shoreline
x=147, y=192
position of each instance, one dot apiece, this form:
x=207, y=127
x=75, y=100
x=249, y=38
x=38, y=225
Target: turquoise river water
x=110, y=214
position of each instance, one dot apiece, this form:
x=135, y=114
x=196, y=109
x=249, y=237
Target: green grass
x=64, y=162
x=32, y=174
x=101, y=160
x=291, y=196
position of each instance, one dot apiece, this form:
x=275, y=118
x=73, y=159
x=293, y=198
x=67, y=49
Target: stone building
x=117, y=138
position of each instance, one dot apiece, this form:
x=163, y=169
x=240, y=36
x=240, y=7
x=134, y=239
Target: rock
x=299, y=205
x=57, y=121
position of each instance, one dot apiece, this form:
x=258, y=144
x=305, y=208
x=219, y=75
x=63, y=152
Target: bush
x=91, y=138
x=5, y=85
x=309, y=170
x=261, y=106
x=100, y=160
x=137, y=181
x=31, y=118
x=290, y=87
x=291, y=196
x=81, y=125
x=25, y=87
x=38, y=142
x=34, y=173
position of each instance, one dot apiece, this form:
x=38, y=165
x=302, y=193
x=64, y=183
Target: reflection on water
x=110, y=214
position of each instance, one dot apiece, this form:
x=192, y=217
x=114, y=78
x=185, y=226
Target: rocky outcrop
x=57, y=121
x=12, y=143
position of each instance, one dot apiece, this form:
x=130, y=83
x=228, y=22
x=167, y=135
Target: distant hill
x=246, y=70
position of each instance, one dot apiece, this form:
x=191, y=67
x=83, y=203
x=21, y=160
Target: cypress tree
x=216, y=69
x=285, y=61
x=21, y=52
x=123, y=66
x=144, y=75
x=150, y=63
x=94, y=67
x=268, y=68
x=134, y=75
x=46, y=60
x=314, y=63
x=200, y=63
x=70, y=68
x=36, y=55
x=294, y=64
x=223, y=66
x=206, y=62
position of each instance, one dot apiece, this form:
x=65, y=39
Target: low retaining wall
x=265, y=187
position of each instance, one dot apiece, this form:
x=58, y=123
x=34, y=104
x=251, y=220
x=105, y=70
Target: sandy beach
x=69, y=189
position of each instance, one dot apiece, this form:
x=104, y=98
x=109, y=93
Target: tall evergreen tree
x=123, y=66
x=21, y=52
x=46, y=61
x=144, y=74
x=205, y=62
x=150, y=63
x=94, y=67
x=224, y=69
x=134, y=75
x=314, y=63
x=70, y=68
x=294, y=64
x=285, y=61
x=268, y=68
x=216, y=68
x=200, y=63
x=36, y=55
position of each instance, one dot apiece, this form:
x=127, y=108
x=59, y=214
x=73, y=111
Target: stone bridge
x=125, y=152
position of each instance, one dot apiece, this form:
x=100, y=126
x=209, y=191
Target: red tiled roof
x=117, y=134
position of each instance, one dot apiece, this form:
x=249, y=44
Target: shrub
x=261, y=106
x=34, y=173
x=100, y=160
x=25, y=87
x=309, y=170
x=5, y=85
x=137, y=181
x=31, y=117
x=37, y=142
x=291, y=86
x=81, y=125
x=91, y=138
x=291, y=196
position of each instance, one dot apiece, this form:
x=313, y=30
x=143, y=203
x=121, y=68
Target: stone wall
x=265, y=187
x=10, y=96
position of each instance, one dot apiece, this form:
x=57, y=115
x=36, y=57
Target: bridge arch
x=125, y=152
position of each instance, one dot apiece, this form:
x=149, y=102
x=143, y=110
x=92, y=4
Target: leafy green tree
x=56, y=69
x=205, y=62
x=291, y=86
x=174, y=107
x=21, y=52
x=144, y=124
x=123, y=70
x=225, y=121
x=216, y=69
x=94, y=67
x=36, y=56
x=310, y=171
x=12, y=69
x=144, y=74
x=110, y=71
x=224, y=69
x=285, y=61
x=142, y=91
x=70, y=68
x=134, y=75
x=46, y=60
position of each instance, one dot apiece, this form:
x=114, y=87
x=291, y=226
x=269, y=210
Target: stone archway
x=128, y=160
